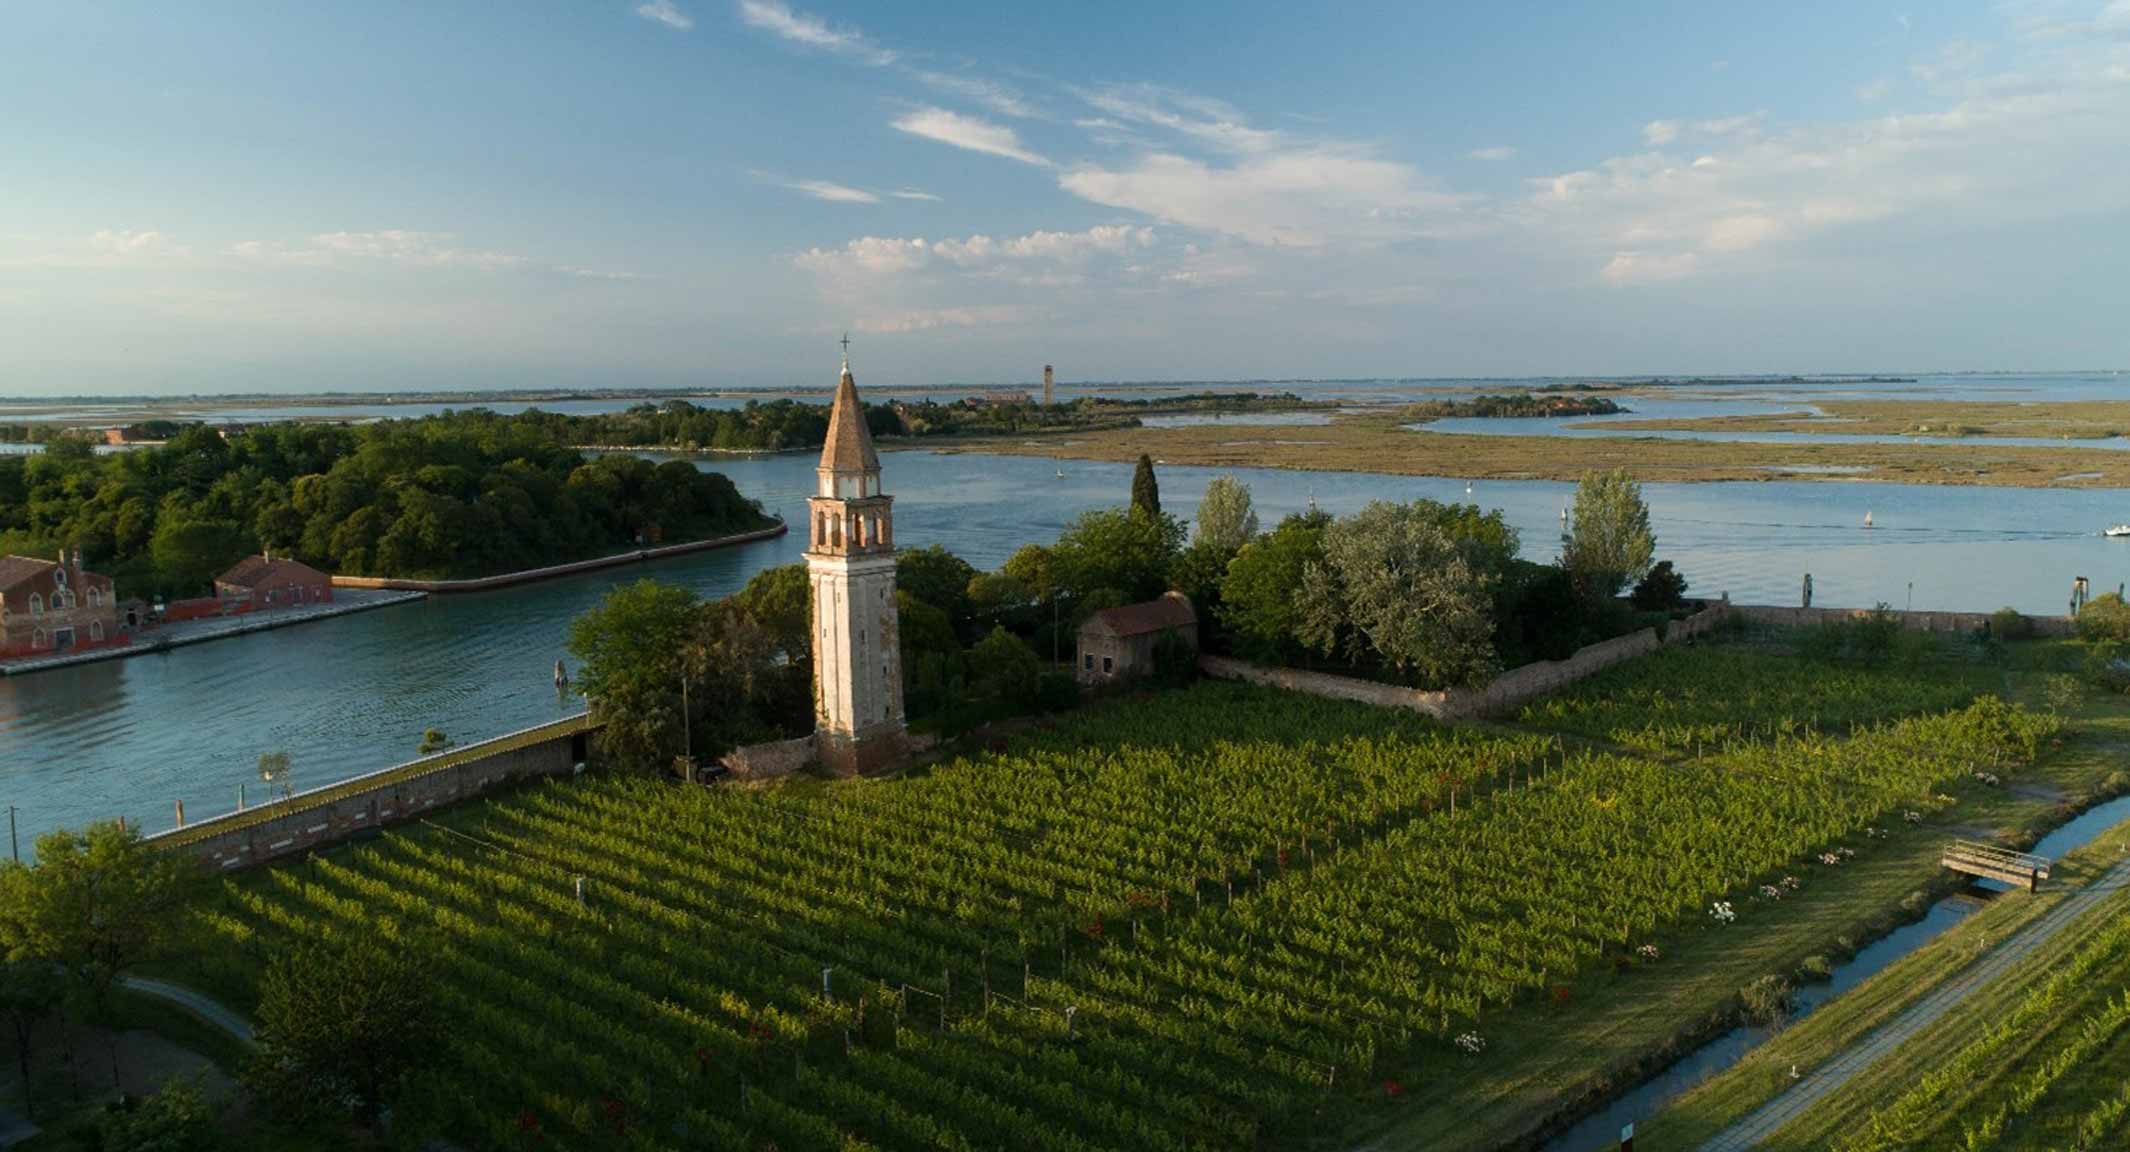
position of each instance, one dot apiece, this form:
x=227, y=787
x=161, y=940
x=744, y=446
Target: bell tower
x=850, y=562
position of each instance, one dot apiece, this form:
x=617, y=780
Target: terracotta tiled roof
x=1171, y=611
x=15, y=569
x=850, y=446
x=261, y=572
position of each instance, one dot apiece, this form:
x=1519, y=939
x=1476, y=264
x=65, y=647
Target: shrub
x=2062, y=693
x=1915, y=903
x=1816, y=968
x=1004, y=666
x=2105, y=617
x=2010, y=624
x=1663, y=590
x=1057, y=692
x=175, y=1119
x=1874, y=634
x=1766, y=1000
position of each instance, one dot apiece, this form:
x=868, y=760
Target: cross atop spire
x=846, y=342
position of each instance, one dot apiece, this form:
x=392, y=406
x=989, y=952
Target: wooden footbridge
x=1993, y=863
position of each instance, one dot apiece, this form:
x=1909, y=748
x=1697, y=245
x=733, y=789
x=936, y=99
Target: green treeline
x=447, y=497
x=780, y=425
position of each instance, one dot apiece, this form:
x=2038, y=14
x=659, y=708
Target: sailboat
x=1057, y=462
x=1468, y=487
x=1867, y=519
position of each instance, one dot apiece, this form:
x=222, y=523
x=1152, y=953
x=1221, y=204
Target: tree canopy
x=450, y=496
x=1609, y=544
x=1226, y=519
x=1146, y=488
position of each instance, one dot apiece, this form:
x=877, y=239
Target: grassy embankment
x=1378, y=441
x=2065, y=420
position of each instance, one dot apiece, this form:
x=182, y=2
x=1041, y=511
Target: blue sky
x=213, y=197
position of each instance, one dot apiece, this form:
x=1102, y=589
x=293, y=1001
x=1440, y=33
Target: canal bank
x=185, y=632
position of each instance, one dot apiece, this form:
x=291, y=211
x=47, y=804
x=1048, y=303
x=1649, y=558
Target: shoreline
x=236, y=626
x=1380, y=445
x=531, y=575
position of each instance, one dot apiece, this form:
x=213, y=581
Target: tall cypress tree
x=1146, y=491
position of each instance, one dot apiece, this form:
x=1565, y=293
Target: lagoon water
x=353, y=694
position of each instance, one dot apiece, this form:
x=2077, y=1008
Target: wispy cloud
x=833, y=192
x=995, y=96
x=1496, y=152
x=782, y=20
x=666, y=12
x=402, y=247
x=970, y=132
x=912, y=194
x=926, y=319
x=1874, y=91
x=1658, y=133
x=104, y=248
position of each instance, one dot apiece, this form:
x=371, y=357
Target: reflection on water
x=353, y=694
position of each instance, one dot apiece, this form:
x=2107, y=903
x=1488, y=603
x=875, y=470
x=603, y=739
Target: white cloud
x=1658, y=133
x=1875, y=90
x=780, y=19
x=392, y=245
x=970, y=132
x=104, y=248
x=1303, y=196
x=912, y=194
x=1952, y=60
x=666, y=12
x=876, y=256
x=1495, y=152
x=1756, y=197
x=927, y=319
x=833, y=192
x=131, y=244
x=997, y=97
x=1209, y=122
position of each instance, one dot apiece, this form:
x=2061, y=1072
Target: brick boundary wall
x=1921, y=621
x=1520, y=685
x=335, y=812
x=772, y=760
x=1507, y=691
x=508, y=579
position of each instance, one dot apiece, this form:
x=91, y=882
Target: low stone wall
x=1509, y=690
x=773, y=760
x=1923, y=621
x=324, y=815
x=507, y=579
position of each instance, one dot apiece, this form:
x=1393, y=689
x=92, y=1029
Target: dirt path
x=209, y=1010
x=1826, y=1079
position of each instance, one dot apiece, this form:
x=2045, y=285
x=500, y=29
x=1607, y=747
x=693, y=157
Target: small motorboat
x=2117, y=530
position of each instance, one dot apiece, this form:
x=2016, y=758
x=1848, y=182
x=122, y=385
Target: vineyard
x=1680, y=699
x=1197, y=919
x=2050, y=1072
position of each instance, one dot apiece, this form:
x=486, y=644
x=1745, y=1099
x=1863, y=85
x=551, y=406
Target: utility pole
x=13, y=843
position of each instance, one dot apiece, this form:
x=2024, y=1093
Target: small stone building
x=269, y=581
x=1119, y=642
x=50, y=606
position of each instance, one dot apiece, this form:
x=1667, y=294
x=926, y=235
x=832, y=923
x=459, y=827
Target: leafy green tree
x=176, y=1118
x=1393, y=583
x=780, y=600
x=1146, y=489
x=629, y=650
x=1005, y=667
x=350, y=1018
x=1035, y=567
x=95, y=904
x=1197, y=572
x=1226, y=519
x=190, y=553
x=939, y=578
x=1257, y=593
x=1001, y=599
x=1609, y=544
x=1126, y=550
x=30, y=991
x=1662, y=590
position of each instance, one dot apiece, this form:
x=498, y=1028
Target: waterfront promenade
x=181, y=633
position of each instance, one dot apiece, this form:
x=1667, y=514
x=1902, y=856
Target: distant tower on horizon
x=1046, y=386
x=850, y=562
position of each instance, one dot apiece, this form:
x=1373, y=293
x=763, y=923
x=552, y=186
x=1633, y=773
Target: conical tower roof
x=850, y=445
